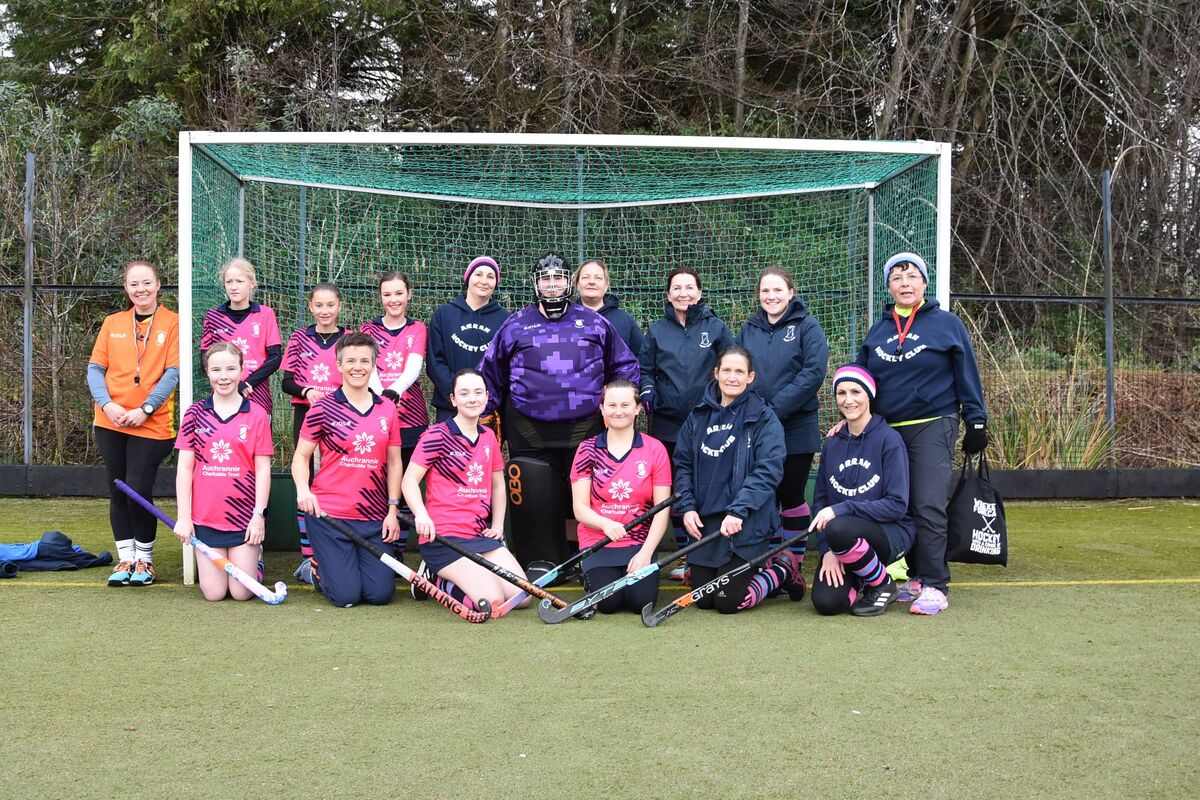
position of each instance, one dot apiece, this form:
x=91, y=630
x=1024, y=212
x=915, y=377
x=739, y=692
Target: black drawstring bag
x=977, y=532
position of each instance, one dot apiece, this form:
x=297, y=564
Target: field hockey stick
x=416, y=579
x=552, y=575
x=232, y=570
x=551, y=615
x=508, y=575
x=652, y=618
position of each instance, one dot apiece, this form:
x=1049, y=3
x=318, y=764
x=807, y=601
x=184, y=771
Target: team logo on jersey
x=578, y=323
x=257, y=330
x=790, y=334
x=161, y=338
x=704, y=340
x=487, y=452
x=620, y=489
x=242, y=431
x=393, y=360
x=410, y=342
x=641, y=469
x=320, y=373
x=241, y=344
x=475, y=474
x=383, y=424
x=364, y=443
x=220, y=451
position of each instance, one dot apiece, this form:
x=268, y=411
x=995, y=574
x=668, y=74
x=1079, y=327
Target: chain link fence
x=1039, y=332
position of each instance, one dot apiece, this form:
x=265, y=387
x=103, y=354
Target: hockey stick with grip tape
x=420, y=581
x=232, y=570
x=652, y=618
x=551, y=615
x=552, y=575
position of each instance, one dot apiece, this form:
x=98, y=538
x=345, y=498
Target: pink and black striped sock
x=862, y=561
x=766, y=583
x=795, y=521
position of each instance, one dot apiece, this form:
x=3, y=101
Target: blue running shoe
x=121, y=574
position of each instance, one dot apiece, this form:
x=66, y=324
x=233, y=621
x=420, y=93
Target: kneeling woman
x=728, y=463
x=861, y=498
x=615, y=476
x=464, y=495
x=359, y=481
x=224, y=473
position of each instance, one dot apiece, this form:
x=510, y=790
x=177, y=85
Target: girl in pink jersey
x=617, y=475
x=401, y=343
x=464, y=495
x=224, y=473
x=249, y=325
x=310, y=372
x=359, y=481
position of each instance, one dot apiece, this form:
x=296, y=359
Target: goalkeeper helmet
x=549, y=268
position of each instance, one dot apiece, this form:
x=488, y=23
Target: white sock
x=145, y=551
x=125, y=550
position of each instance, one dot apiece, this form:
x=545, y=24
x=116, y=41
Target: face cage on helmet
x=554, y=306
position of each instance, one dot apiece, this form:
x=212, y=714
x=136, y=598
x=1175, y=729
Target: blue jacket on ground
x=53, y=551
x=626, y=326
x=677, y=363
x=458, y=335
x=790, y=360
x=935, y=375
x=757, y=471
x=866, y=476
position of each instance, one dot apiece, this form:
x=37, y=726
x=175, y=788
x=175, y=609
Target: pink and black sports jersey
x=352, y=481
x=257, y=331
x=623, y=487
x=223, y=481
x=313, y=363
x=395, y=346
x=458, y=486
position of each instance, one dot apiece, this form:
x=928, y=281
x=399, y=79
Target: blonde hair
x=241, y=263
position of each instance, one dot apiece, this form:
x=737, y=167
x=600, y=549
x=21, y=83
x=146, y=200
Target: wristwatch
x=392, y=501
x=147, y=409
x=259, y=512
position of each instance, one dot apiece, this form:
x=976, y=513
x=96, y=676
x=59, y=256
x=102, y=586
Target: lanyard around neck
x=903, y=332
x=140, y=353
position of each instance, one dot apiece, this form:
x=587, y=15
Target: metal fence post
x=1106, y=199
x=27, y=337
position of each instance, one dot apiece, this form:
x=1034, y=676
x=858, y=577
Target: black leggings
x=840, y=534
x=631, y=598
x=729, y=598
x=795, y=480
x=135, y=460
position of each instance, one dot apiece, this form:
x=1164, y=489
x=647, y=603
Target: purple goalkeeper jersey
x=555, y=370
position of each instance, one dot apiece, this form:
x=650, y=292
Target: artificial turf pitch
x=1037, y=682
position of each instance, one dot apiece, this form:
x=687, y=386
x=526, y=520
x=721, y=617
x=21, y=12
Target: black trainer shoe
x=874, y=600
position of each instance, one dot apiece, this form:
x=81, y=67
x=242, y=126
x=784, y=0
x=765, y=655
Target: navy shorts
x=215, y=538
x=612, y=555
x=437, y=556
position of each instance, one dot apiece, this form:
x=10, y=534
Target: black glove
x=649, y=399
x=976, y=438
x=390, y=395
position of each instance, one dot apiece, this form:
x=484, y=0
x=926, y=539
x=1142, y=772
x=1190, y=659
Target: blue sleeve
x=820, y=500
x=438, y=364
x=966, y=378
x=619, y=360
x=162, y=390
x=762, y=481
x=684, y=464
x=804, y=385
x=96, y=384
x=725, y=338
x=636, y=340
x=270, y=364
x=893, y=471
x=648, y=360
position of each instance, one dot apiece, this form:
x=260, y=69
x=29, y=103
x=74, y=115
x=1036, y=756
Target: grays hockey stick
x=232, y=570
x=551, y=615
x=552, y=575
x=420, y=581
x=653, y=618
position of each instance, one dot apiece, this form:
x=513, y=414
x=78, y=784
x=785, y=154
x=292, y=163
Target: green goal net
x=344, y=208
